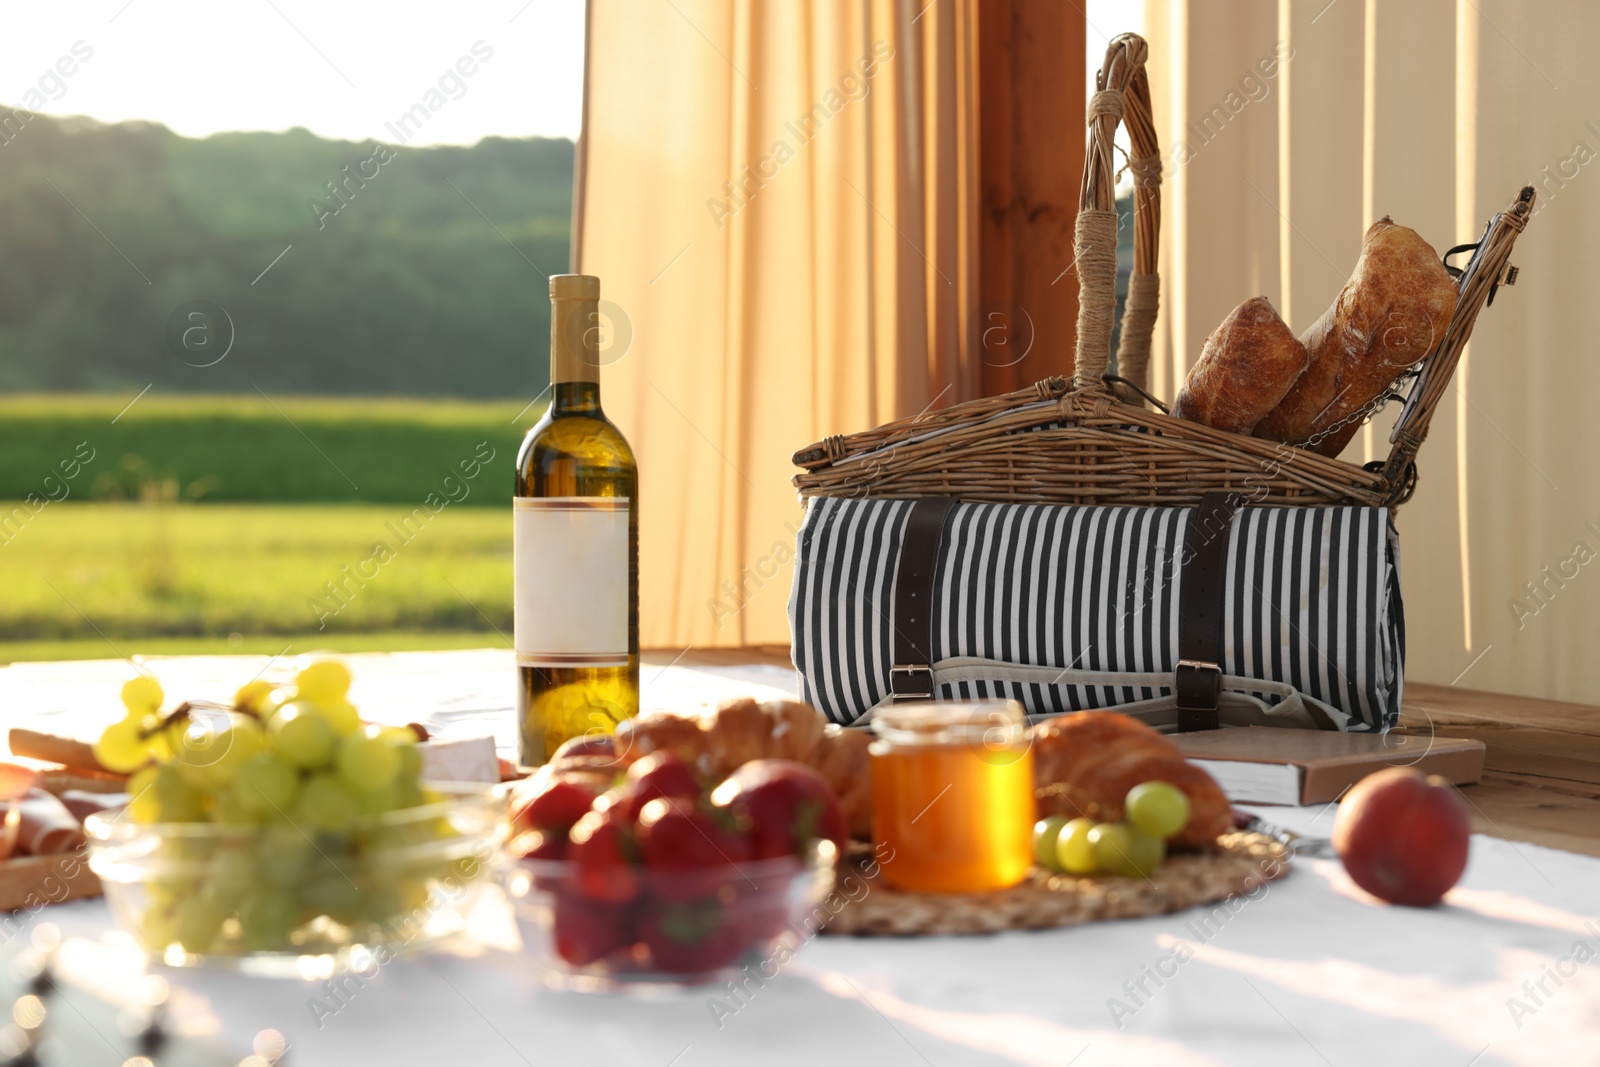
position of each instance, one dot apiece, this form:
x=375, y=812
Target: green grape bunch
x=303, y=792
x=1135, y=847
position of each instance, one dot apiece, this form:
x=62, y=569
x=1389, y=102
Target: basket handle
x=1488, y=269
x=1122, y=95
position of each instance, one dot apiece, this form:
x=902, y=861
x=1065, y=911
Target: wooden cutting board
x=1242, y=863
x=1272, y=765
x=30, y=882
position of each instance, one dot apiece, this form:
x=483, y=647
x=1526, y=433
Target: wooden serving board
x=30, y=882
x=1243, y=861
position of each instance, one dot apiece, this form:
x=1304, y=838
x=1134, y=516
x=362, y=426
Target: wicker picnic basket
x=1090, y=439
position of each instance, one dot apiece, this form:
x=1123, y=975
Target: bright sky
x=340, y=69
x=1106, y=19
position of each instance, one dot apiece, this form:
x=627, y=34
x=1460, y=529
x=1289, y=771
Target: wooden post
x=1030, y=135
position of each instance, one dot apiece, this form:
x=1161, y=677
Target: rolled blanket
x=1069, y=608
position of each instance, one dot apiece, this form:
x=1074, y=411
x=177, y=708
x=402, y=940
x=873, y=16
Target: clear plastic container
x=672, y=929
x=270, y=899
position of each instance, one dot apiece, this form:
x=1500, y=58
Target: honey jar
x=952, y=795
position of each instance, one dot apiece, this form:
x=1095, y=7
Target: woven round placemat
x=863, y=904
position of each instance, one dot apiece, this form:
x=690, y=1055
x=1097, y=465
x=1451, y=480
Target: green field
x=215, y=524
x=91, y=580
x=285, y=645
x=251, y=448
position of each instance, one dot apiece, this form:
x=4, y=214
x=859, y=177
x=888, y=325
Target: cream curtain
x=1435, y=112
x=779, y=198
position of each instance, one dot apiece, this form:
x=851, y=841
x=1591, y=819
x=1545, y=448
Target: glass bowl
x=276, y=899
x=675, y=929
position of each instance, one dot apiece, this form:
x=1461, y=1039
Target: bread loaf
x=1246, y=367
x=1389, y=316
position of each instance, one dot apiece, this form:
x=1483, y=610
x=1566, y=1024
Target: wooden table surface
x=1541, y=780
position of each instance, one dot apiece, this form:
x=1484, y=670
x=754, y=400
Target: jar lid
x=993, y=724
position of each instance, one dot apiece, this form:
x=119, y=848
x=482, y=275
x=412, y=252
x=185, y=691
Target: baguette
x=31, y=744
x=1389, y=316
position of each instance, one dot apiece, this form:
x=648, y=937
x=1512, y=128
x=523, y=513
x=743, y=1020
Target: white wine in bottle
x=575, y=546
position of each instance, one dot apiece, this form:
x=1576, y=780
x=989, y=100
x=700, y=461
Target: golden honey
x=952, y=789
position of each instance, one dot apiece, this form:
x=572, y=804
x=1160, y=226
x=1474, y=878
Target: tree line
x=316, y=266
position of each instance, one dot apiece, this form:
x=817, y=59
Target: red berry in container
x=688, y=853
x=691, y=937
x=602, y=851
x=586, y=745
x=785, y=804
x=763, y=902
x=587, y=931
x=551, y=803
x=660, y=774
x=538, y=845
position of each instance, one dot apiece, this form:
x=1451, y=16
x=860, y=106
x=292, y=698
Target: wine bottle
x=575, y=543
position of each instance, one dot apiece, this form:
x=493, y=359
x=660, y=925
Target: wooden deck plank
x=1450, y=702
x=1534, y=814
x=1541, y=778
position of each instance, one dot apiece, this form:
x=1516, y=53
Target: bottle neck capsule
x=575, y=398
x=575, y=330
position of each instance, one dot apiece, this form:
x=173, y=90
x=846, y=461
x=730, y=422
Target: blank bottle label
x=570, y=560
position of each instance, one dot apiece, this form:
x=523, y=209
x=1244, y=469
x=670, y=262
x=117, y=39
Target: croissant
x=843, y=760
x=719, y=743
x=1085, y=762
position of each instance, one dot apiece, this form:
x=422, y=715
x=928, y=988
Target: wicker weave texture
x=1089, y=440
x=1241, y=864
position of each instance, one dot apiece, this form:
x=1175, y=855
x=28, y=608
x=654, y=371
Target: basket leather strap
x=1198, y=682
x=911, y=675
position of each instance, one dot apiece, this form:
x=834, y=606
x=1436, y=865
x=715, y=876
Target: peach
x=1403, y=836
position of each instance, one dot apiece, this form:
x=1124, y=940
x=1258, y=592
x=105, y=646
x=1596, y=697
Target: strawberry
x=663, y=774
x=786, y=804
x=602, y=851
x=538, y=845
x=586, y=745
x=660, y=774
x=690, y=937
x=764, y=908
x=587, y=931
x=689, y=853
x=551, y=803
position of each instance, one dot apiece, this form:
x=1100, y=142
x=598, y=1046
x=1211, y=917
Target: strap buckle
x=911, y=681
x=1198, y=688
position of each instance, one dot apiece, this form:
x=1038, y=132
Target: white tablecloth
x=1311, y=971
